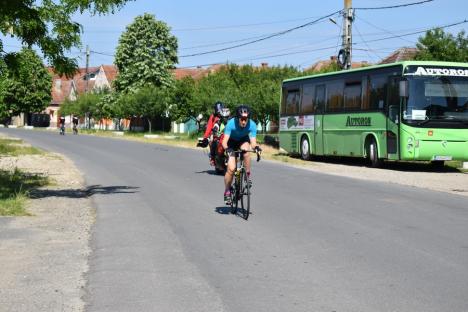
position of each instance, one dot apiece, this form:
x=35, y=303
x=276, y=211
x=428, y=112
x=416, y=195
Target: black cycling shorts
x=236, y=144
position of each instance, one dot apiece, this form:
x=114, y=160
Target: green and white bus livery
x=411, y=110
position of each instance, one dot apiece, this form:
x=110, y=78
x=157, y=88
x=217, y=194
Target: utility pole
x=344, y=56
x=86, y=85
x=87, y=65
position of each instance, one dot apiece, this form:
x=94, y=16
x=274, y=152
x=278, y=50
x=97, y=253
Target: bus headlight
x=410, y=145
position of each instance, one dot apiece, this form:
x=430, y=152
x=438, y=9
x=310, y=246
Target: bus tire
x=305, y=148
x=373, y=154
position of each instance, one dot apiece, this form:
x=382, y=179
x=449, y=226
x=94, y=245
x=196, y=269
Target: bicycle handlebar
x=249, y=151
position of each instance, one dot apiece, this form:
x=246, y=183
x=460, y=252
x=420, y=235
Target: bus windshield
x=442, y=100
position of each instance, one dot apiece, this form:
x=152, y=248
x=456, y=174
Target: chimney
x=264, y=65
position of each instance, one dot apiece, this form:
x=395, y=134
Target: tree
x=27, y=89
x=148, y=102
x=184, y=105
x=48, y=24
x=437, y=45
x=145, y=55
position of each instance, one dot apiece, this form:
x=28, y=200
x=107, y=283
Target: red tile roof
x=402, y=54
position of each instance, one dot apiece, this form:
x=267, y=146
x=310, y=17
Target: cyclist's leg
x=246, y=146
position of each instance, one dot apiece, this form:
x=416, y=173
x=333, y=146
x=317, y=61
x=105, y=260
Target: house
x=320, y=65
x=63, y=88
x=402, y=54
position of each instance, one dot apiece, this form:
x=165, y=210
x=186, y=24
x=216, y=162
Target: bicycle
x=62, y=129
x=240, y=188
x=75, y=129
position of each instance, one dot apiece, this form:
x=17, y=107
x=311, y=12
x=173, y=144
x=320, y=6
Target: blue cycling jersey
x=236, y=132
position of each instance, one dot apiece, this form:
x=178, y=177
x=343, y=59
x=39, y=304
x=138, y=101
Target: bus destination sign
x=436, y=71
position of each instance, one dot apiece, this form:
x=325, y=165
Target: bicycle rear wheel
x=233, y=199
x=245, y=194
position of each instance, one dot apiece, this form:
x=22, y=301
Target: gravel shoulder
x=44, y=256
x=408, y=174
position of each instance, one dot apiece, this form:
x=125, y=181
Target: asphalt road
x=164, y=241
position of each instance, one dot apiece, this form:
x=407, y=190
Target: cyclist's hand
x=203, y=143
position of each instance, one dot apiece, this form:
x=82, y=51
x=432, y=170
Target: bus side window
x=292, y=102
x=365, y=93
x=352, y=96
x=335, y=96
x=378, y=91
x=320, y=92
x=307, y=100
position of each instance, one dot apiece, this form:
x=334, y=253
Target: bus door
x=393, y=118
x=320, y=93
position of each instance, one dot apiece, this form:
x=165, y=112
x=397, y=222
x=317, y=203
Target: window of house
x=352, y=96
x=335, y=96
x=307, y=103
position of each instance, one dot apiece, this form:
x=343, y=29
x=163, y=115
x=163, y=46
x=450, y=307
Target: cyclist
x=214, y=128
x=240, y=133
x=62, y=124
x=75, y=124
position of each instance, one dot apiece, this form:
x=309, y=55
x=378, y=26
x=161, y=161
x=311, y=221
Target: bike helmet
x=225, y=112
x=242, y=111
x=218, y=107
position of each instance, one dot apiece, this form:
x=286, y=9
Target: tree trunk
x=149, y=124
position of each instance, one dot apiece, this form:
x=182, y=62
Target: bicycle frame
x=240, y=185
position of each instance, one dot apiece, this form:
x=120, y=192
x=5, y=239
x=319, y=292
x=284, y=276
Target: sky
x=207, y=25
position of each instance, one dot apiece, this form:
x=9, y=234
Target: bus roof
x=404, y=64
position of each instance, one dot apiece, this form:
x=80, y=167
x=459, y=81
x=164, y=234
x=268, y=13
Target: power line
x=379, y=28
x=312, y=50
x=264, y=38
x=395, y=6
x=244, y=25
x=418, y=32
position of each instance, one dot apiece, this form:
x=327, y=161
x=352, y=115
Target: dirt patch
x=44, y=256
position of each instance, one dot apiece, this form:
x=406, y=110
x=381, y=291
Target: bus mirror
x=404, y=88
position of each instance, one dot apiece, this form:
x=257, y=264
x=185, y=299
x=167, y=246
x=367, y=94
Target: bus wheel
x=373, y=154
x=305, y=148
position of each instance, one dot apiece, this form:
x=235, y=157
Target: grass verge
x=15, y=147
x=16, y=184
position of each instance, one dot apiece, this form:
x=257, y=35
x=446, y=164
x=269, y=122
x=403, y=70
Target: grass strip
x=15, y=186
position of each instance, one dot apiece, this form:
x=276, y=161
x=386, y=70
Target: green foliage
x=233, y=84
x=437, y=45
x=184, y=106
x=148, y=102
x=27, y=86
x=145, y=55
x=14, y=188
x=48, y=25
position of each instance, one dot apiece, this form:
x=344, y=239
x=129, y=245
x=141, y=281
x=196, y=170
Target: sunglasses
x=243, y=118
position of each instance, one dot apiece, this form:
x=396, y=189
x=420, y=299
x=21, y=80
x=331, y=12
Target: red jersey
x=209, y=127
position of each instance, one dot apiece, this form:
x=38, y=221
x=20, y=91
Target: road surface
x=164, y=241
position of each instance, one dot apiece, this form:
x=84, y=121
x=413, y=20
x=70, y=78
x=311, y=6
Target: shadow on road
x=212, y=172
x=223, y=210
x=82, y=193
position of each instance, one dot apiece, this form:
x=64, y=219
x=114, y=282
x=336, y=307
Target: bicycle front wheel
x=245, y=194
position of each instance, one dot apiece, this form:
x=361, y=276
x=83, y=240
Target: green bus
x=412, y=110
